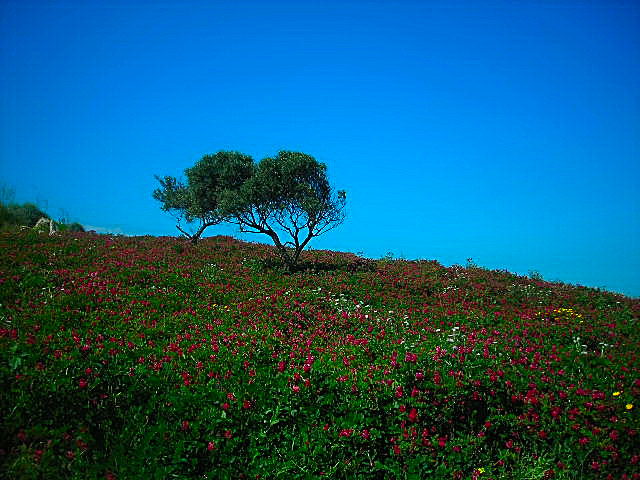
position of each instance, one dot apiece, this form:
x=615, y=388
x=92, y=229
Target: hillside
x=146, y=357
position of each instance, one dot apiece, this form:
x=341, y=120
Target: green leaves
x=288, y=194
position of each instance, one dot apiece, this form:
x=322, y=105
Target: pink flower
x=411, y=357
x=225, y=406
x=345, y=432
x=413, y=415
x=211, y=446
x=296, y=389
x=83, y=383
x=399, y=392
x=365, y=434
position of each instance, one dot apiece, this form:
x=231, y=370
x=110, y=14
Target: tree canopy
x=202, y=199
x=288, y=194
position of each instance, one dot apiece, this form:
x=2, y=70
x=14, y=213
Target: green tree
x=289, y=195
x=201, y=200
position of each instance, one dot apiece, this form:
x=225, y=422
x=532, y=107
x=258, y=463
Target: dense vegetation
x=151, y=358
x=13, y=215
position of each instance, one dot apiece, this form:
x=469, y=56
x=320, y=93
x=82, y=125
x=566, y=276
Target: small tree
x=288, y=194
x=201, y=199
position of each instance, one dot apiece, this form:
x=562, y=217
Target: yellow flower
x=615, y=394
x=481, y=470
x=629, y=406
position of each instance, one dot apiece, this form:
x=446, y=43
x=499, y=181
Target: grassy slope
x=145, y=357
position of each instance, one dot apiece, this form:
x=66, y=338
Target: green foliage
x=26, y=214
x=14, y=215
x=75, y=227
x=204, y=198
x=146, y=358
x=535, y=275
x=287, y=194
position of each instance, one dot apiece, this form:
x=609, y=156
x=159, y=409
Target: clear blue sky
x=508, y=132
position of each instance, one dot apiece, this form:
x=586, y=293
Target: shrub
x=26, y=214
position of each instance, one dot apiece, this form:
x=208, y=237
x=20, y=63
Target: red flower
x=246, y=405
x=211, y=446
x=228, y=434
x=225, y=406
x=411, y=357
x=413, y=415
x=83, y=383
x=185, y=425
x=365, y=434
x=346, y=432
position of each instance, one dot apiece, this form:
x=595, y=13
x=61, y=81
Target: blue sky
x=508, y=132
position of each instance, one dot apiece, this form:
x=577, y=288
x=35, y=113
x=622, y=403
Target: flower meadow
x=145, y=357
